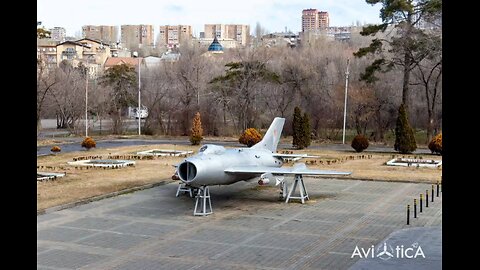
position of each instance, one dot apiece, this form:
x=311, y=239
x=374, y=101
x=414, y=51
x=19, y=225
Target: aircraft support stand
x=203, y=196
x=283, y=191
x=183, y=187
x=301, y=186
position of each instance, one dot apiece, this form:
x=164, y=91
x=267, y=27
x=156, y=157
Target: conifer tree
x=297, y=129
x=197, y=131
x=404, y=138
x=306, y=130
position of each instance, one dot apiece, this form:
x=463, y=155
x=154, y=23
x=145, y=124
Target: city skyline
x=273, y=15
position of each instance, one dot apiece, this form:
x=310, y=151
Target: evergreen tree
x=123, y=81
x=306, y=130
x=197, y=131
x=408, y=44
x=404, y=137
x=297, y=129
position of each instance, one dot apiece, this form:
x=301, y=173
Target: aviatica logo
x=386, y=252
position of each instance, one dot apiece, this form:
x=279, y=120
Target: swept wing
x=297, y=169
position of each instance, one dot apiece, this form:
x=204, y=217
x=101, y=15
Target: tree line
x=248, y=87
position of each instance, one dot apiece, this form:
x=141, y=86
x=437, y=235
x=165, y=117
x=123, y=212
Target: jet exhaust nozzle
x=187, y=171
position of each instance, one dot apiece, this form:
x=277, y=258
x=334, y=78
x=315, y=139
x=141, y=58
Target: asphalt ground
x=249, y=229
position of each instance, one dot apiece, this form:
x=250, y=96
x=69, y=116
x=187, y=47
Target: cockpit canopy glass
x=211, y=149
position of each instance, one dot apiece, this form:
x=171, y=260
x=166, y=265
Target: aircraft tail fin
x=272, y=137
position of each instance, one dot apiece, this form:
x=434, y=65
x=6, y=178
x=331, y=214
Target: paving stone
x=258, y=256
x=113, y=240
x=63, y=234
x=95, y=223
x=67, y=259
x=188, y=249
x=149, y=229
x=147, y=264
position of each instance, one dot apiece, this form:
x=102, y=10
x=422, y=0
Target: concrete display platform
x=250, y=229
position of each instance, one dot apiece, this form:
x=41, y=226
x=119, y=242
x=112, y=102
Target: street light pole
x=345, y=106
x=138, y=110
x=86, y=101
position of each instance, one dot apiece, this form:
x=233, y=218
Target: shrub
x=55, y=149
x=404, y=138
x=360, y=143
x=88, y=143
x=435, y=144
x=250, y=137
x=197, y=131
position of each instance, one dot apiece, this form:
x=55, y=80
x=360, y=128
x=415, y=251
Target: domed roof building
x=215, y=47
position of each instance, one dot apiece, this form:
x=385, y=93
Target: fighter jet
x=216, y=165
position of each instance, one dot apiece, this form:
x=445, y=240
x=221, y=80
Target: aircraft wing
x=293, y=156
x=297, y=169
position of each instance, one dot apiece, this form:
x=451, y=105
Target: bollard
x=438, y=188
x=433, y=193
x=426, y=198
x=408, y=214
x=415, y=208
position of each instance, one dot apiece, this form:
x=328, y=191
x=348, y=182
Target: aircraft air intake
x=187, y=171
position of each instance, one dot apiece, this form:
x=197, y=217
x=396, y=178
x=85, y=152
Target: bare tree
x=428, y=75
x=191, y=82
x=45, y=81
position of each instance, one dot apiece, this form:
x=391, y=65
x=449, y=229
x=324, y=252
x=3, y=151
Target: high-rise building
x=173, y=35
x=309, y=19
x=104, y=33
x=215, y=30
x=313, y=20
x=58, y=33
x=323, y=20
x=137, y=36
x=238, y=32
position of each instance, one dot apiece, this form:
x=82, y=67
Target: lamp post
x=138, y=110
x=345, y=106
x=86, y=100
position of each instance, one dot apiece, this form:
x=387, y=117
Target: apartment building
x=137, y=36
x=104, y=33
x=238, y=32
x=173, y=35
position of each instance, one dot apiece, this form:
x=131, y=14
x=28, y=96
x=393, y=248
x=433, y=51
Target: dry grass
x=374, y=168
x=85, y=183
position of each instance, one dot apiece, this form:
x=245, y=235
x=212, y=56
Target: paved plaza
x=249, y=229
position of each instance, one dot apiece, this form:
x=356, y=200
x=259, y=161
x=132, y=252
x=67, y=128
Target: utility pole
x=345, y=106
x=86, y=100
x=138, y=110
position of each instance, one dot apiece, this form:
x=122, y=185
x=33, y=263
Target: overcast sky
x=274, y=15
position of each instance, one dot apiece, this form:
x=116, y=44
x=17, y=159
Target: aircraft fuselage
x=208, y=166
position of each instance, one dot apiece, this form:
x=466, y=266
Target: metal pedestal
x=203, y=196
x=301, y=186
x=182, y=187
